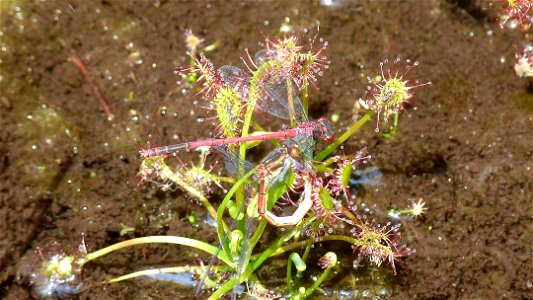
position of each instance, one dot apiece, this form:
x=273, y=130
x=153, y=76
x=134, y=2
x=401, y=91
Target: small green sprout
x=192, y=41
x=286, y=27
x=335, y=118
x=125, y=229
x=192, y=219
x=416, y=210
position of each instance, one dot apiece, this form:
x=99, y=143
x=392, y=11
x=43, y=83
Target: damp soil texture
x=464, y=146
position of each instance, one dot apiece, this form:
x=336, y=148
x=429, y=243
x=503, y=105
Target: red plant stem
x=73, y=58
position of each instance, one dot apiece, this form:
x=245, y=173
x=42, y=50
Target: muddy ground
x=466, y=148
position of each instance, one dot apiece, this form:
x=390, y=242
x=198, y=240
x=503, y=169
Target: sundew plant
x=299, y=186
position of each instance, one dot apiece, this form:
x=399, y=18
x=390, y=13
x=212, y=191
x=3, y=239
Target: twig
x=73, y=58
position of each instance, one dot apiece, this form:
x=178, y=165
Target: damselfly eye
x=330, y=137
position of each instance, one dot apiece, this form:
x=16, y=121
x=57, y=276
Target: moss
x=47, y=143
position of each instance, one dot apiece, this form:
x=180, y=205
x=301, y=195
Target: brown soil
x=65, y=170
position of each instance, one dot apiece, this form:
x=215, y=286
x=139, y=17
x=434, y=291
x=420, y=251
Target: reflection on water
x=185, y=279
x=370, y=176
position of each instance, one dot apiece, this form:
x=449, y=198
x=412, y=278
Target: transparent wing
x=237, y=79
x=262, y=56
x=274, y=95
x=233, y=162
x=275, y=100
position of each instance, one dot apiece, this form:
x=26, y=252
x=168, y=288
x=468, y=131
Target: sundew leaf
x=327, y=200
